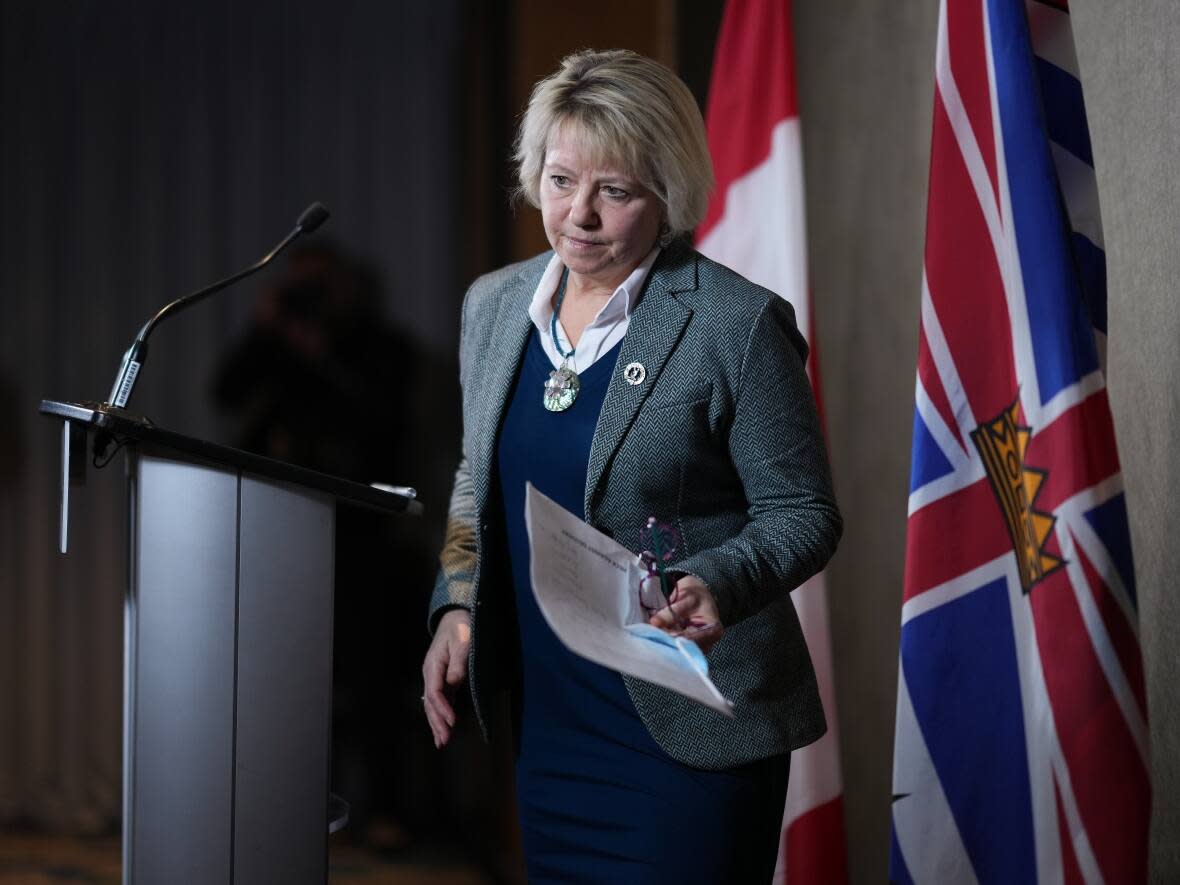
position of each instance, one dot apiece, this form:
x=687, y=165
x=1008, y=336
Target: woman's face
x=600, y=221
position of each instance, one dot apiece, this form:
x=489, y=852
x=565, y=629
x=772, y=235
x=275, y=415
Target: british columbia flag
x=1021, y=751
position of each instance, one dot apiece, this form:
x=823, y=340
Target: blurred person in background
x=320, y=379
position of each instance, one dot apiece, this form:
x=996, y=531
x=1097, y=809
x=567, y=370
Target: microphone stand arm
x=135, y=356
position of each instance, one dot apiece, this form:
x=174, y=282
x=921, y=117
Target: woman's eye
x=559, y=180
x=615, y=193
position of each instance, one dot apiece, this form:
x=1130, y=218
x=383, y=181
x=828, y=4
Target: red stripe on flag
x=1122, y=637
x=964, y=279
x=1078, y=450
x=814, y=846
x=751, y=102
x=1072, y=873
x=969, y=67
x=752, y=90
x=953, y=535
x=1110, y=785
x=932, y=384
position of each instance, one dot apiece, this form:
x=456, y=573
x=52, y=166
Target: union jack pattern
x=1021, y=750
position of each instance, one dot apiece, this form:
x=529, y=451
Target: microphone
x=311, y=218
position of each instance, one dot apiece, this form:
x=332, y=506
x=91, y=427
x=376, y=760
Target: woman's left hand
x=692, y=613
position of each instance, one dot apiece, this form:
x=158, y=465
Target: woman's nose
x=583, y=212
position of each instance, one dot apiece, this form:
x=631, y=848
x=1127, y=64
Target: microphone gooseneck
x=311, y=218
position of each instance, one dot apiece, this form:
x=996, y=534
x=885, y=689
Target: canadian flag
x=755, y=225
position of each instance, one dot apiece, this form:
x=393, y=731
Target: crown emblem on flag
x=1002, y=443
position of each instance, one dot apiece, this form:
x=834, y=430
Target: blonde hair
x=628, y=110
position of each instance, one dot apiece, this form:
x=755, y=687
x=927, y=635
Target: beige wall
x=866, y=88
x=866, y=80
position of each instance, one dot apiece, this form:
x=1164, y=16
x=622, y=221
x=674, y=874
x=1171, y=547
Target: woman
x=627, y=376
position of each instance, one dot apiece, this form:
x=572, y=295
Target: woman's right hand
x=445, y=669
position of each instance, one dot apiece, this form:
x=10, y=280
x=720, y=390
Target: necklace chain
x=557, y=310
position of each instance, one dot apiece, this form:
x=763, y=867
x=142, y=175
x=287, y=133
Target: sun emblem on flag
x=1002, y=443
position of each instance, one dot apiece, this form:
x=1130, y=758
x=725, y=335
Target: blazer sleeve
x=454, y=586
x=777, y=449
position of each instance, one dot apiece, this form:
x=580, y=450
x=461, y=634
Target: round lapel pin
x=634, y=374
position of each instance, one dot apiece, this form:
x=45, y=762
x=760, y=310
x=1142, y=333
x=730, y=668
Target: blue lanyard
x=556, y=310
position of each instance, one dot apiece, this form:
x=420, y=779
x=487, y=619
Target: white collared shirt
x=604, y=331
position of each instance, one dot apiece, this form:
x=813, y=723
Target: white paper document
x=587, y=588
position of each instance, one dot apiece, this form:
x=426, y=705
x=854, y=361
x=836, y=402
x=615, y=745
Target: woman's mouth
x=582, y=244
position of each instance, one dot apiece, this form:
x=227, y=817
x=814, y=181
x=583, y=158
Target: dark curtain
x=148, y=149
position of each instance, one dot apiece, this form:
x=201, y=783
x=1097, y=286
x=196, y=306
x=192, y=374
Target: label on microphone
x=128, y=383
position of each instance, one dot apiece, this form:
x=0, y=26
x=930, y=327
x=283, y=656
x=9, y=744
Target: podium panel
x=179, y=683
x=284, y=717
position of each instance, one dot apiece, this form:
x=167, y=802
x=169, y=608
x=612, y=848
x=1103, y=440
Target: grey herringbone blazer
x=721, y=438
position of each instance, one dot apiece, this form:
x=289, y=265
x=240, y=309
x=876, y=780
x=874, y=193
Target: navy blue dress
x=599, y=801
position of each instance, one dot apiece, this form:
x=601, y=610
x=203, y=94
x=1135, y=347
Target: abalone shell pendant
x=561, y=389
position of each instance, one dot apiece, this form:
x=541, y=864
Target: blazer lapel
x=500, y=363
x=656, y=324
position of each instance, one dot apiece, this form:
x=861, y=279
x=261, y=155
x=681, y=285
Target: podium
x=228, y=652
